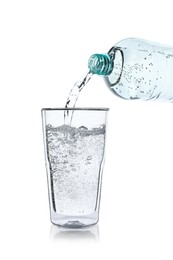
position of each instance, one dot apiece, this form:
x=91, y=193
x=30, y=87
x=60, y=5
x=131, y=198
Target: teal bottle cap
x=100, y=64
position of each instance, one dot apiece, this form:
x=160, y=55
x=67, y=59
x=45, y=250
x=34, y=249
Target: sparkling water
x=73, y=97
x=75, y=156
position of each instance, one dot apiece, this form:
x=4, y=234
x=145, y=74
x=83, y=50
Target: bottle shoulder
x=139, y=43
x=132, y=43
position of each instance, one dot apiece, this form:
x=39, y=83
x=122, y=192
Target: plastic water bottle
x=137, y=69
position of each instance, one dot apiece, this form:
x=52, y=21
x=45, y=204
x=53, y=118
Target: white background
x=44, y=49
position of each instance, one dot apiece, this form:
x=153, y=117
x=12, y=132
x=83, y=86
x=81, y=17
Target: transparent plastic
x=74, y=157
x=138, y=69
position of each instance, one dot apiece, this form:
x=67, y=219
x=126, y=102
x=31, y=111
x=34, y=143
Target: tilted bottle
x=137, y=69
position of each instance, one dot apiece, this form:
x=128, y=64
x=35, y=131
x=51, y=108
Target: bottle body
x=141, y=70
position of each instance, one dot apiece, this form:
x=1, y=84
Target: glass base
x=74, y=221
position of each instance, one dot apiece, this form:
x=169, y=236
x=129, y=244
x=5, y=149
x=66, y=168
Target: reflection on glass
x=60, y=234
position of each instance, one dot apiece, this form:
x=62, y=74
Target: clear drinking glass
x=74, y=157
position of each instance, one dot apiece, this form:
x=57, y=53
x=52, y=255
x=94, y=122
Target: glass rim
x=77, y=109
